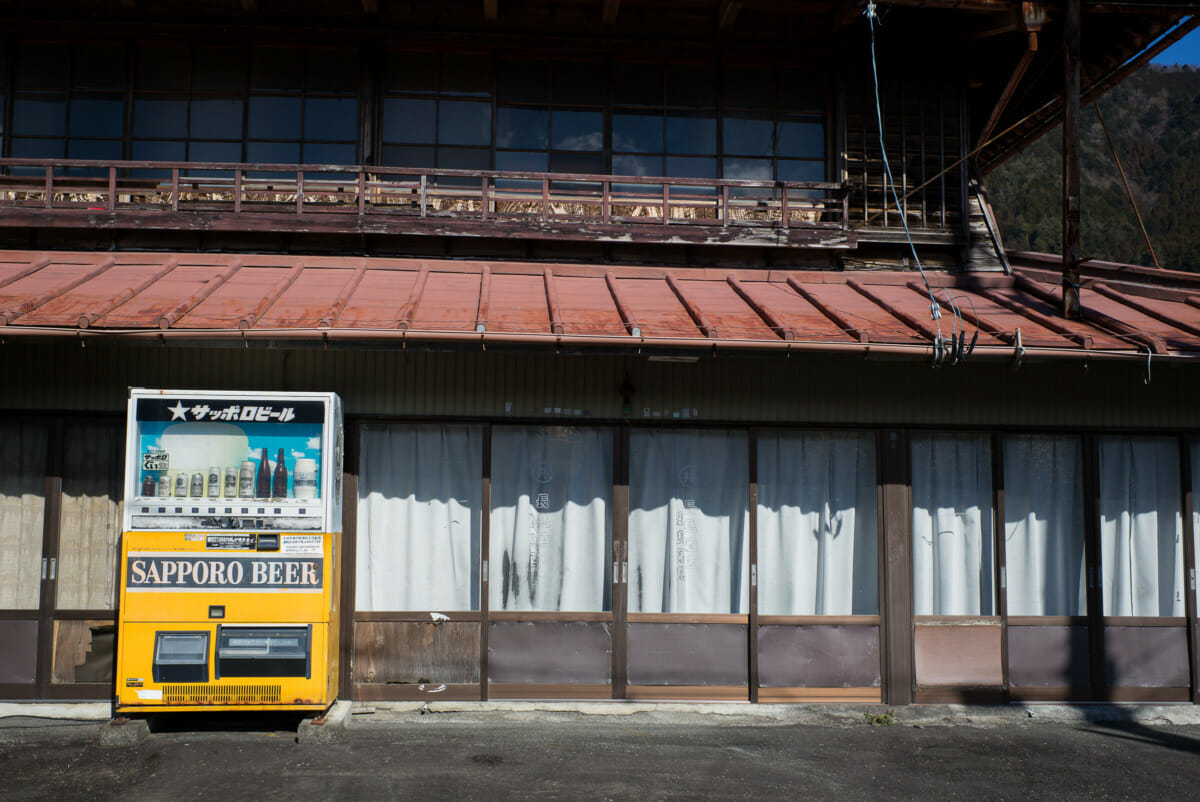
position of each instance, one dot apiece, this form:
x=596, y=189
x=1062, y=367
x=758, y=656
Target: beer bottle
x=279, y=485
x=262, y=479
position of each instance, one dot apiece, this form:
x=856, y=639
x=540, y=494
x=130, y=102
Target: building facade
x=671, y=369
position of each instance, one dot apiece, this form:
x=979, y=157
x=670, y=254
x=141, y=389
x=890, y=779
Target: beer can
x=164, y=486
x=231, y=482
x=214, y=482
x=181, y=485
x=197, y=488
x=304, y=478
x=246, y=480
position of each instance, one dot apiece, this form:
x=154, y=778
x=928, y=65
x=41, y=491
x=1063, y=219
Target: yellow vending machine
x=230, y=552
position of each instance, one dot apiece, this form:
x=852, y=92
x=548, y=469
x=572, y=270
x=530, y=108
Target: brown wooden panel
x=549, y=652
x=1147, y=694
x=958, y=655
x=1049, y=656
x=18, y=653
x=962, y=696
x=568, y=691
x=689, y=693
x=687, y=654
x=412, y=653
x=410, y=693
x=83, y=651
x=1050, y=694
x=818, y=656
x=1146, y=657
x=808, y=695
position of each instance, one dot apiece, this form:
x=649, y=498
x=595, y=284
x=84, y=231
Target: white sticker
x=148, y=694
x=300, y=544
x=192, y=537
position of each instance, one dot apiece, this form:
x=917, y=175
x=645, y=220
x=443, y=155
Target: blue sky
x=1185, y=51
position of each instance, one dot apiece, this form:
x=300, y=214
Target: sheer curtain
x=952, y=525
x=1044, y=525
x=817, y=530
x=1141, y=526
x=688, y=522
x=419, y=498
x=551, y=525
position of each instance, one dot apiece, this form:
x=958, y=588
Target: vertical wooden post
x=485, y=529
x=752, y=623
x=896, y=632
x=1070, y=195
x=112, y=189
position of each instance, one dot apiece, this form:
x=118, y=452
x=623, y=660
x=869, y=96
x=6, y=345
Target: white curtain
x=1141, y=527
x=551, y=518
x=952, y=525
x=817, y=531
x=1043, y=526
x=419, y=498
x=688, y=522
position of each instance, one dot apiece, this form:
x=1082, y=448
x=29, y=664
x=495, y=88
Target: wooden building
x=671, y=370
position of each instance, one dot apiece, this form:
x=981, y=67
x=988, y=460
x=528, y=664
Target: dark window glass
x=325, y=153
x=216, y=118
x=106, y=149
x=466, y=75
x=748, y=134
x=793, y=170
x=801, y=90
x=97, y=115
x=37, y=149
x=523, y=81
x=218, y=69
x=274, y=118
x=576, y=130
x=587, y=163
x=397, y=156
x=577, y=83
x=801, y=138
x=748, y=87
x=749, y=169
x=409, y=119
x=640, y=133
x=691, y=133
x=98, y=67
x=40, y=115
x=332, y=70
x=522, y=128
x=215, y=152
x=522, y=162
x=277, y=69
x=691, y=167
x=331, y=118
x=464, y=122
x=273, y=152
x=638, y=165
x=41, y=65
x=464, y=159
x=414, y=73
x=164, y=68
x=691, y=85
x=159, y=151
x=157, y=116
x=635, y=84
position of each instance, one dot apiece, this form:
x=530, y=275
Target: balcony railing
x=415, y=200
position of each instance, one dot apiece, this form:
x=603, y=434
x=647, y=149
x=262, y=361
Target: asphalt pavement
x=564, y=754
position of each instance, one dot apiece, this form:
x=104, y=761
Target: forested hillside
x=1154, y=119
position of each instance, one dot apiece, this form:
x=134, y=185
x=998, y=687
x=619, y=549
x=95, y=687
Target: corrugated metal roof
x=348, y=299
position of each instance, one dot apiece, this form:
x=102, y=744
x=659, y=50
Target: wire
x=935, y=311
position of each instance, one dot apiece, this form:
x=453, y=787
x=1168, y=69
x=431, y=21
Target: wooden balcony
x=339, y=199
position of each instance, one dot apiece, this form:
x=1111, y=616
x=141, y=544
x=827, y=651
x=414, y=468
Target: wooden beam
x=1070, y=177
x=727, y=13
x=609, y=10
x=491, y=9
x=370, y=6
x=249, y=6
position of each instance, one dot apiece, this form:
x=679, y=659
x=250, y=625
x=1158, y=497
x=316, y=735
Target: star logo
x=179, y=411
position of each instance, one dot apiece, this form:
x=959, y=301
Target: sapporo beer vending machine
x=230, y=550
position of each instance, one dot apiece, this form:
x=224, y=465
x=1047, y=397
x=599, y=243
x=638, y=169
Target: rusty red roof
x=1128, y=311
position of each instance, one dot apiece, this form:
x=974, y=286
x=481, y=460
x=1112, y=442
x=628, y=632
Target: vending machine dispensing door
x=229, y=558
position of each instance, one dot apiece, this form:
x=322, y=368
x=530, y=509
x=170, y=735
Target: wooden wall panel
x=83, y=651
x=967, y=656
x=688, y=654
x=550, y=652
x=1146, y=657
x=18, y=656
x=1048, y=656
x=818, y=656
x=91, y=516
x=412, y=653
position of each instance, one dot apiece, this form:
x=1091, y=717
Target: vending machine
x=230, y=551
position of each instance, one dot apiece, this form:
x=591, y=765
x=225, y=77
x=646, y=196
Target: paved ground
x=575, y=756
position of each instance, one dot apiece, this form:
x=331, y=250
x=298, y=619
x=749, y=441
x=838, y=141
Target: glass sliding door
x=23, y=453
x=550, y=556
x=1046, y=589
x=688, y=579
x=417, y=592
x=818, y=566
x=958, y=635
x=1142, y=571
